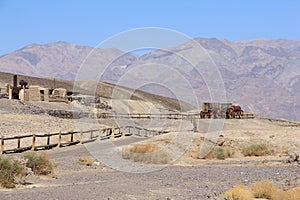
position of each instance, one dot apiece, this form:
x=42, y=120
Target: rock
x=293, y=157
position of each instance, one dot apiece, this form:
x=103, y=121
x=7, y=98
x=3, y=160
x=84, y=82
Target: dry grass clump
x=10, y=170
x=239, y=192
x=88, y=161
x=263, y=189
x=220, y=153
x=256, y=150
x=194, y=152
x=146, y=153
x=164, y=140
x=143, y=148
x=40, y=163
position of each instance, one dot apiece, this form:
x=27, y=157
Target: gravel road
x=207, y=181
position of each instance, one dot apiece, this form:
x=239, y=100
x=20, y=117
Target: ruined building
x=35, y=92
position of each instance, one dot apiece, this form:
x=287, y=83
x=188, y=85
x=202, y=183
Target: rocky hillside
x=106, y=90
x=261, y=75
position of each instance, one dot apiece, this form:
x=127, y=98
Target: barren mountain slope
x=262, y=75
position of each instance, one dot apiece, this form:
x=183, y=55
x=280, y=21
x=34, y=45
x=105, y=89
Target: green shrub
x=256, y=150
x=40, y=163
x=219, y=153
x=10, y=170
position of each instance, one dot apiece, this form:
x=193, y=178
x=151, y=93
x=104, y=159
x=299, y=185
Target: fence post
x=123, y=132
x=33, y=142
x=81, y=135
x=59, y=139
x=2, y=144
x=112, y=136
x=91, y=135
x=48, y=140
x=19, y=143
x=72, y=136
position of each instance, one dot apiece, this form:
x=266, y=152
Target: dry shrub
x=219, y=153
x=164, y=140
x=143, y=148
x=88, y=161
x=40, y=163
x=239, y=192
x=280, y=195
x=194, y=152
x=294, y=194
x=146, y=153
x=263, y=189
x=256, y=150
x=10, y=170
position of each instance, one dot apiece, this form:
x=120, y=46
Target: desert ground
x=182, y=168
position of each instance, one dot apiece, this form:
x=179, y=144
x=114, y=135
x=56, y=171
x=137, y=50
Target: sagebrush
x=219, y=153
x=146, y=153
x=256, y=150
x=40, y=163
x=10, y=171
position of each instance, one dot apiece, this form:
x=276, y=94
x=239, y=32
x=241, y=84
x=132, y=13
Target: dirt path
x=207, y=181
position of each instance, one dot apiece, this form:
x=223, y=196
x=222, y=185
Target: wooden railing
x=175, y=116
x=47, y=141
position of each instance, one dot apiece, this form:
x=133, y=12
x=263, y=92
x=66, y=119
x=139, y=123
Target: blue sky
x=88, y=22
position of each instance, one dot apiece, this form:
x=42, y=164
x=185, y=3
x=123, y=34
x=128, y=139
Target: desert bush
x=263, y=189
x=143, y=148
x=219, y=153
x=256, y=150
x=88, y=161
x=194, y=152
x=10, y=170
x=40, y=163
x=146, y=153
x=239, y=192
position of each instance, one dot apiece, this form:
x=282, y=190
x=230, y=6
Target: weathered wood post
x=48, y=140
x=112, y=136
x=80, y=137
x=33, y=142
x=91, y=134
x=72, y=135
x=19, y=143
x=2, y=144
x=123, y=132
x=59, y=139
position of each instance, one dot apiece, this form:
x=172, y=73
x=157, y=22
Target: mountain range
x=263, y=75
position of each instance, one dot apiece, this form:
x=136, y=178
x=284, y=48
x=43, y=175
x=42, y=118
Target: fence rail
x=179, y=116
x=63, y=139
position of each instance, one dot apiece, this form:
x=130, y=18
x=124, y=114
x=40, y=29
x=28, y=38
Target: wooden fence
x=62, y=139
x=34, y=142
x=178, y=116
